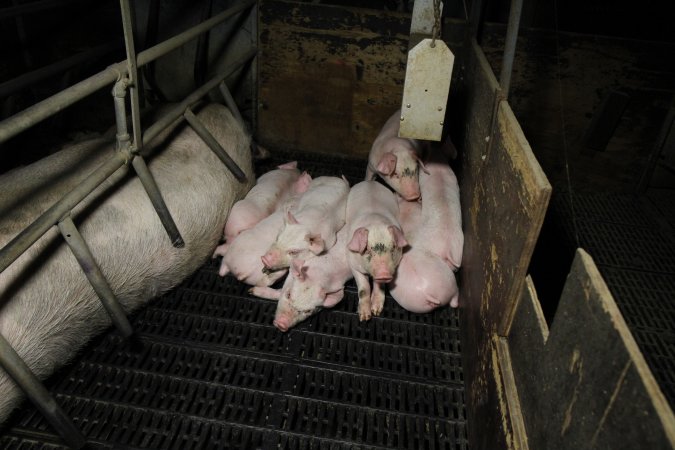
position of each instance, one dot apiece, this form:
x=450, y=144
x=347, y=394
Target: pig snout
x=383, y=276
x=410, y=189
x=282, y=323
x=271, y=259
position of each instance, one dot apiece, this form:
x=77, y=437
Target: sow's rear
x=48, y=310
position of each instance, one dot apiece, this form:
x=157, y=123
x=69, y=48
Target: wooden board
x=504, y=196
x=586, y=385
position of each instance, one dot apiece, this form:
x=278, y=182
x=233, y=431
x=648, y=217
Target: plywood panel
x=586, y=385
x=504, y=198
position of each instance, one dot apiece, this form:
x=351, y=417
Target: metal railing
x=124, y=75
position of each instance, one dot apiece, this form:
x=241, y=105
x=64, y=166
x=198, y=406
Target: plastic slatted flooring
x=632, y=240
x=212, y=372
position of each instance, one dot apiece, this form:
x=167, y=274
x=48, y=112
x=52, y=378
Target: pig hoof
x=364, y=316
x=377, y=309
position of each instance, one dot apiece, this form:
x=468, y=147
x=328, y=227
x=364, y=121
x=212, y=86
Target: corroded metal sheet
x=425, y=94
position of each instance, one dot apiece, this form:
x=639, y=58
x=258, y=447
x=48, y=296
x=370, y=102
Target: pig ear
x=290, y=218
x=298, y=271
x=302, y=184
x=332, y=298
x=420, y=162
x=387, y=164
x=289, y=165
x=316, y=243
x=399, y=239
x=346, y=180
x=359, y=240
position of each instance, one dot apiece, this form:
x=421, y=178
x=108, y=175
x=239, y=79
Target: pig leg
x=224, y=269
x=377, y=299
x=370, y=174
x=270, y=278
x=265, y=292
x=363, y=283
x=220, y=250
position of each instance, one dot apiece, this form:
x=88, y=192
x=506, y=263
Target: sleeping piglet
x=270, y=191
x=397, y=160
x=311, y=285
x=375, y=242
x=310, y=227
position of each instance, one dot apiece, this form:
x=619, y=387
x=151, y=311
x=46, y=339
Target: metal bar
x=213, y=144
x=33, y=7
x=132, y=70
x=178, y=110
x=93, y=273
x=510, y=46
x=30, y=116
x=229, y=101
x=17, y=369
x=475, y=16
x=157, y=200
x=35, y=230
x=27, y=79
x=650, y=167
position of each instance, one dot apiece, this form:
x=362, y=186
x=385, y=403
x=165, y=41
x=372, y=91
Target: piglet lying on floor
x=311, y=285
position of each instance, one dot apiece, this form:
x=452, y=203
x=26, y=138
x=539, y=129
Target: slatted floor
x=212, y=372
x=632, y=240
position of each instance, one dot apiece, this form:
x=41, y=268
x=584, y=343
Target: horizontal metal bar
x=35, y=230
x=193, y=98
x=27, y=79
x=33, y=7
x=213, y=144
x=93, y=273
x=19, y=371
x=14, y=125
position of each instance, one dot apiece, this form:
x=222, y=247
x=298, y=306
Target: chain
x=436, y=29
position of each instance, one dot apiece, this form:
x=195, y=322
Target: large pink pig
x=241, y=256
x=441, y=213
x=376, y=242
x=423, y=280
x=270, y=191
x=397, y=160
x=311, y=285
x=310, y=227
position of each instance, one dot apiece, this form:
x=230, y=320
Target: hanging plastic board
x=425, y=94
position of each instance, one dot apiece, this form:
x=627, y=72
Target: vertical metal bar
x=475, y=16
x=203, y=133
x=17, y=369
x=93, y=273
x=229, y=101
x=510, y=46
x=666, y=128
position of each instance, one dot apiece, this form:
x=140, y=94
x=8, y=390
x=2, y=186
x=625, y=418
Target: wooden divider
x=586, y=384
x=504, y=197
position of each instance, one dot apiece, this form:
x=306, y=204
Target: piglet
x=376, y=242
x=441, y=212
x=397, y=160
x=310, y=227
x=423, y=280
x=271, y=190
x=311, y=285
x=241, y=256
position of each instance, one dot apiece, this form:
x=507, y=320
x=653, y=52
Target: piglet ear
x=419, y=161
x=399, y=239
x=359, y=240
x=332, y=298
x=387, y=164
x=290, y=218
x=289, y=165
x=297, y=270
x=316, y=243
x=302, y=183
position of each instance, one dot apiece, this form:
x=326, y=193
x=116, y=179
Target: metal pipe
x=510, y=46
x=10, y=252
x=178, y=110
x=17, y=369
x=119, y=94
x=27, y=79
x=229, y=101
x=213, y=144
x=30, y=116
x=93, y=273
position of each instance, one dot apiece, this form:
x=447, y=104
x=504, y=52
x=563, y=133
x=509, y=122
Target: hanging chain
x=436, y=29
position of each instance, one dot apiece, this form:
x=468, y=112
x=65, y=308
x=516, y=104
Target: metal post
x=93, y=273
x=17, y=369
x=510, y=46
x=229, y=101
x=208, y=138
x=30, y=116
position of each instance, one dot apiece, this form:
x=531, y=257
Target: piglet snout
x=281, y=323
x=266, y=260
